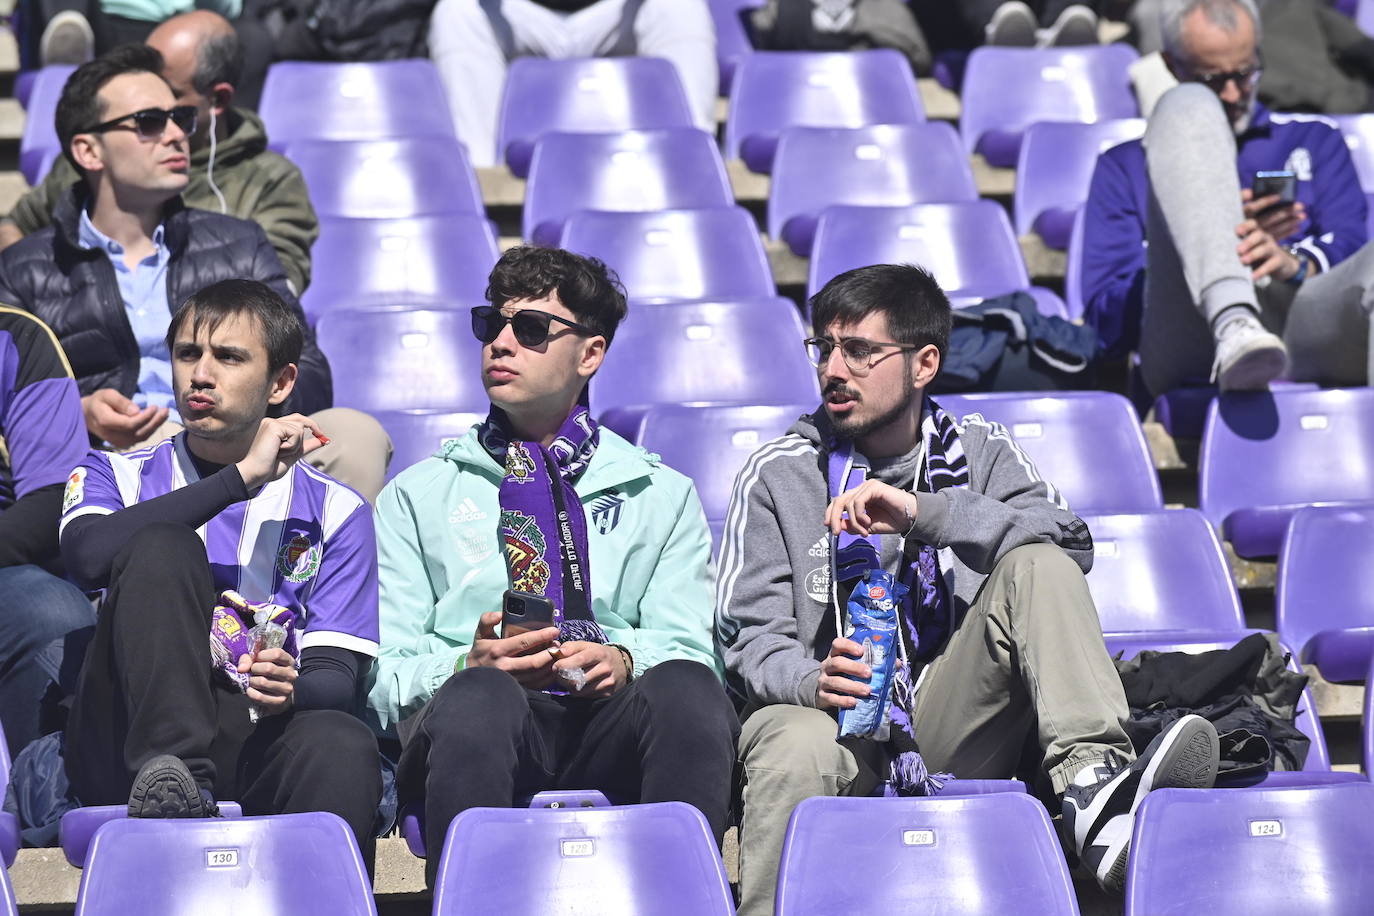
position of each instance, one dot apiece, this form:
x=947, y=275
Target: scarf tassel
x=908, y=776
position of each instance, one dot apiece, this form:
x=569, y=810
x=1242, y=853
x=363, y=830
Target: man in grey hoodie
x=999, y=638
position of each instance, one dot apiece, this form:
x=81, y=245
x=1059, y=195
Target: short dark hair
x=589, y=289
x=80, y=107
x=917, y=310
x=219, y=59
x=282, y=330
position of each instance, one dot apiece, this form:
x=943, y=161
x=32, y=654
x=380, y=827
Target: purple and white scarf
x=925, y=617
x=543, y=528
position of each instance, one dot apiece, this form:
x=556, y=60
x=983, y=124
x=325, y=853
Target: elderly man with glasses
x=546, y=586
x=1228, y=245
x=879, y=493
x=123, y=252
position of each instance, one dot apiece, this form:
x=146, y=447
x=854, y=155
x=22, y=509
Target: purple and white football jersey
x=305, y=541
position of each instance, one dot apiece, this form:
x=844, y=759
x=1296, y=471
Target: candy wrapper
x=239, y=627
x=576, y=677
x=873, y=625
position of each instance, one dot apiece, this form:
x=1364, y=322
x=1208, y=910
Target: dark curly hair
x=589, y=289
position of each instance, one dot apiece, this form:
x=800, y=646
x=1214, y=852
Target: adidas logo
x=820, y=549
x=465, y=512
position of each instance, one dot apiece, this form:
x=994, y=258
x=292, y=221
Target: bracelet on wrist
x=461, y=663
x=627, y=659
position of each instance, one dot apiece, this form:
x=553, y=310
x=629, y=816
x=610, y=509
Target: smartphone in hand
x=1284, y=184
x=522, y=612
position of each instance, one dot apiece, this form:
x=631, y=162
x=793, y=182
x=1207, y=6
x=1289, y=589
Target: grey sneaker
x=1012, y=26
x=165, y=788
x=1099, y=817
x=1077, y=25
x=1248, y=357
x=67, y=39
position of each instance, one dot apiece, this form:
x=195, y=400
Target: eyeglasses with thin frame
x=150, y=123
x=859, y=353
x=531, y=326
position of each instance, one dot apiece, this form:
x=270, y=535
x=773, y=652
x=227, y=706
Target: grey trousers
x=1028, y=655
x=1193, y=271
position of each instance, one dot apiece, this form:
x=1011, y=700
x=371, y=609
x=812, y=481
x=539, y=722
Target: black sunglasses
x=150, y=122
x=531, y=326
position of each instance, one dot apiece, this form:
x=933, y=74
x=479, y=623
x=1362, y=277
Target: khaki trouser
x=358, y=452
x=1028, y=654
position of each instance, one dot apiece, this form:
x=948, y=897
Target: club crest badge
x=605, y=512
x=519, y=463
x=76, y=489
x=525, y=551
x=298, y=559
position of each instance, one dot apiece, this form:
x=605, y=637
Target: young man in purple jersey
x=227, y=504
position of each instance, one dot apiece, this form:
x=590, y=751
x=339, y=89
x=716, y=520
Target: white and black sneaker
x=1012, y=25
x=1099, y=808
x=165, y=788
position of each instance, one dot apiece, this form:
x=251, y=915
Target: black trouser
x=484, y=740
x=148, y=688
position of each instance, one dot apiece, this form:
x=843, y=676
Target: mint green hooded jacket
x=440, y=566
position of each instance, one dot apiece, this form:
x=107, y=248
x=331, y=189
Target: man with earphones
x=232, y=171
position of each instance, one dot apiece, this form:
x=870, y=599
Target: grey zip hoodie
x=773, y=590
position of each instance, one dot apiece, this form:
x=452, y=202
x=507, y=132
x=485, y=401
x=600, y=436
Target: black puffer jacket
x=75, y=291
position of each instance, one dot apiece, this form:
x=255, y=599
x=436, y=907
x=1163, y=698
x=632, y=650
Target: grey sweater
x=773, y=590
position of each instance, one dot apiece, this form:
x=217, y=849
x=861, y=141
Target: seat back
x=388, y=358
x=969, y=247
x=1260, y=850
x=1326, y=582
x=40, y=132
x=977, y=854
x=728, y=352
x=1161, y=571
x=732, y=36
x=634, y=170
x=289, y=863
x=418, y=434
x=1008, y=89
x=582, y=862
x=392, y=178
x=775, y=90
x=878, y=165
x=446, y=258
x=354, y=101
x=1087, y=444
x=1358, y=130
x=1054, y=171
x=590, y=95
x=676, y=254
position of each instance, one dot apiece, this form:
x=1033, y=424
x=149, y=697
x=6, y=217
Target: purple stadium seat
x=40, y=134
x=732, y=36
x=1326, y=590
x=1367, y=726
x=413, y=814
x=710, y=444
x=741, y=352
x=880, y=165
x=1054, y=170
x=1347, y=6
x=78, y=826
x=1266, y=454
x=1161, y=571
x=969, y=247
x=1364, y=16
x=775, y=90
x=401, y=177
x=1008, y=89
x=979, y=854
x=9, y=824
x=418, y=434
x=1129, y=645
x=1262, y=851
x=1073, y=271
x=1359, y=139
x=23, y=86
x=588, y=95
x=290, y=863
x=399, y=359
x=657, y=857
x=634, y=170
x=1087, y=444
x=445, y=259
x=354, y=101
x=672, y=255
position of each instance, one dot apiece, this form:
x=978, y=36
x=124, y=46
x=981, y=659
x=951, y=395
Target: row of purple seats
x=38, y=145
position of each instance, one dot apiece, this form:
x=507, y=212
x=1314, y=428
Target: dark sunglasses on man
x=531, y=326
x=150, y=123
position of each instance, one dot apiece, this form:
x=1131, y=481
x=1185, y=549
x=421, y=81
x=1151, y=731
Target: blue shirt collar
x=91, y=237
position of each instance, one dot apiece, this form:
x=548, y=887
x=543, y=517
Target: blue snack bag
x=873, y=625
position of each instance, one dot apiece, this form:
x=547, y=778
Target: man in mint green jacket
x=614, y=683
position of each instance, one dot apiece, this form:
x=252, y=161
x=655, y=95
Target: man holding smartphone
x=594, y=551
x=1196, y=252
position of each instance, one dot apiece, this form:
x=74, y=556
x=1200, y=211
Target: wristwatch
x=1302, y=265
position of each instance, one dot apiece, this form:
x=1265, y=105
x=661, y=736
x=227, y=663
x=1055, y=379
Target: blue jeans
x=39, y=615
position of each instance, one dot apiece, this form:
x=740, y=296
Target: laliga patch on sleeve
x=76, y=489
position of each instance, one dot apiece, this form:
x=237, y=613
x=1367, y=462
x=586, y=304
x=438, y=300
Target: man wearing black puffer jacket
x=124, y=252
